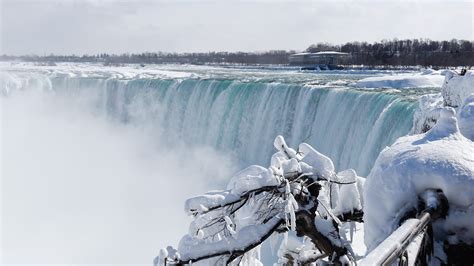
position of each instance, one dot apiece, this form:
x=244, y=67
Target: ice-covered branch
x=300, y=191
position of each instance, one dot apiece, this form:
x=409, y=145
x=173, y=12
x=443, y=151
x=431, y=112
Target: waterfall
x=243, y=117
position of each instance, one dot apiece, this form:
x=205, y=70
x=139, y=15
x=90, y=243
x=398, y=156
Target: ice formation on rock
x=457, y=92
x=427, y=78
x=441, y=158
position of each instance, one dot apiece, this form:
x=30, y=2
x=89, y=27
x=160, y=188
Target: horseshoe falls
x=242, y=117
x=93, y=153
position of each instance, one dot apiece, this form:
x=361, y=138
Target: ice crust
x=457, y=92
x=457, y=88
x=441, y=158
x=427, y=78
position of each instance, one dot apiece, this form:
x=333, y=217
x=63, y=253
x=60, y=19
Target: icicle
x=273, y=242
x=290, y=209
x=200, y=234
x=230, y=225
x=351, y=230
x=329, y=212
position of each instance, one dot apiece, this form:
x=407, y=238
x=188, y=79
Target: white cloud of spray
x=77, y=188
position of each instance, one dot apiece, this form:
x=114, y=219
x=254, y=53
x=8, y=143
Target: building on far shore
x=321, y=60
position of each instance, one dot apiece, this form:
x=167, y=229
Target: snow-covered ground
x=368, y=79
x=456, y=92
x=442, y=158
x=426, y=78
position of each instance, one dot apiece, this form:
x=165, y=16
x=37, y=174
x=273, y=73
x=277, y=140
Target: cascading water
x=91, y=154
x=243, y=117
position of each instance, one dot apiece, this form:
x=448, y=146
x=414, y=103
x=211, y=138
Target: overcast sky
x=116, y=26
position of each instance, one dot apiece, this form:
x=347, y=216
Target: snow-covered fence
x=414, y=235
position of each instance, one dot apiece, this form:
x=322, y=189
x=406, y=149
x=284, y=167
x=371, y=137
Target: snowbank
x=425, y=117
x=466, y=118
x=457, y=92
x=428, y=78
x=441, y=158
x=457, y=88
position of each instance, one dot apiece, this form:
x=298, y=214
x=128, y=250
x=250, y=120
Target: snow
x=321, y=164
x=91, y=70
x=350, y=195
x=427, y=78
x=353, y=232
x=457, y=88
x=209, y=200
x=301, y=249
x=425, y=117
x=440, y=158
x=193, y=248
x=229, y=221
x=466, y=118
x=389, y=245
x=457, y=92
x=252, y=177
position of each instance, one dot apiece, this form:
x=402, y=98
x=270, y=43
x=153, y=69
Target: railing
x=414, y=233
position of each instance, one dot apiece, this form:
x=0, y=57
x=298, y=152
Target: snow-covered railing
x=414, y=234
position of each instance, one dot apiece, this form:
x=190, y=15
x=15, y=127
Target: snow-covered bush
x=300, y=191
x=441, y=158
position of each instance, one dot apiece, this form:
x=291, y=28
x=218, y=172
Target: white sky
x=116, y=26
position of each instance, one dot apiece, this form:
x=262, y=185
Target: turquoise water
x=242, y=117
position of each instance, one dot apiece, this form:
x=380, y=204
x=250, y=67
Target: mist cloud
x=78, y=188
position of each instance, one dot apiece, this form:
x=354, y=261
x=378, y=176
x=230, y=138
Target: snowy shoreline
x=426, y=78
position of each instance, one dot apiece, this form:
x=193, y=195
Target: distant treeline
x=395, y=52
x=422, y=52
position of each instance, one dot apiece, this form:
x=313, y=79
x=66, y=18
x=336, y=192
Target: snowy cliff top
x=327, y=79
x=457, y=88
x=442, y=158
x=426, y=78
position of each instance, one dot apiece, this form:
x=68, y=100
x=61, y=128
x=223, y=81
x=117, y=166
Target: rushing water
x=242, y=116
x=98, y=160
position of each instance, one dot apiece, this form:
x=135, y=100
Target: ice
x=350, y=197
x=227, y=222
x=250, y=178
x=425, y=117
x=456, y=92
x=193, y=248
x=320, y=163
x=301, y=249
x=456, y=88
x=427, y=78
x=466, y=117
x=441, y=158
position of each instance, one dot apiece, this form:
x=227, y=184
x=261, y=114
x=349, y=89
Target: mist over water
x=96, y=166
x=80, y=188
